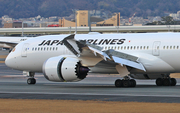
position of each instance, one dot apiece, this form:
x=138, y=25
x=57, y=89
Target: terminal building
x=15, y=25
x=83, y=19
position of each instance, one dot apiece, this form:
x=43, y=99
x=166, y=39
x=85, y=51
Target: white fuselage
x=158, y=52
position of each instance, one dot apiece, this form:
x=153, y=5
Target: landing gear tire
x=173, y=82
x=133, y=83
x=118, y=83
x=31, y=81
x=159, y=82
x=125, y=83
x=166, y=82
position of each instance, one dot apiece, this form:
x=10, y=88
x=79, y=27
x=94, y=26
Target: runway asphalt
x=95, y=87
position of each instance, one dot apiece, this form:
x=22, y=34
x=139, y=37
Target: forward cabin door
x=156, y=48
x=24, y=50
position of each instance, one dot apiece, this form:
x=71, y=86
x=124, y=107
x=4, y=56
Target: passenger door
x=156, y=48
x=24, y=50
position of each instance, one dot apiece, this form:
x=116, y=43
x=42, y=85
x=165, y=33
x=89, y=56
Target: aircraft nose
x=10, y=61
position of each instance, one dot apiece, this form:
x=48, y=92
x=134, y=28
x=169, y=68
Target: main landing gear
x=166, y=81
x=31, y=80
x=126, y=82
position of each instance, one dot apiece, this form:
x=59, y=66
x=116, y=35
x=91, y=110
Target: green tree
x=155, y=23
x=168, y=20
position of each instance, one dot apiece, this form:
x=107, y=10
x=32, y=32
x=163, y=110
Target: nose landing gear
x=31, y=79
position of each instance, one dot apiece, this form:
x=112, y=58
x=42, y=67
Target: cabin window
x=177, y=47
x=141, y=47
x=164, y=47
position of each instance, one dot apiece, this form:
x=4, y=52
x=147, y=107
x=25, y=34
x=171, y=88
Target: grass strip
x=73, y=106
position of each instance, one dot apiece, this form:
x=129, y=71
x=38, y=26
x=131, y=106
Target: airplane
x=69, y=58
x=11, y=42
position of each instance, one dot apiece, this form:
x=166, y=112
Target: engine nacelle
x=60, y=69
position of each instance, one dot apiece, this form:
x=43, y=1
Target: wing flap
x=125, y=59
x=122, y=55
x=128, y=63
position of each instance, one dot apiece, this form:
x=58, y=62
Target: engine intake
x=62, y=69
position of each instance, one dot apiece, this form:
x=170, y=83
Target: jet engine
x=64, y=69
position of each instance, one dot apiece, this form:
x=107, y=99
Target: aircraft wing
x=86, y=51
x=82, y=48
x=5, y=44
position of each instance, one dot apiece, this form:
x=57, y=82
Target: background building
x=83, y=18
x=15, y=25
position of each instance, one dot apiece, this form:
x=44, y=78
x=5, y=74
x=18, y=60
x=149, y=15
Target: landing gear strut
x=166, y=82
x=30, y=80
x=126, y=82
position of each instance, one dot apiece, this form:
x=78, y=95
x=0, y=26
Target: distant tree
x=155, y=23
x=1, y=24
x=46, y=8
x=168, y=20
